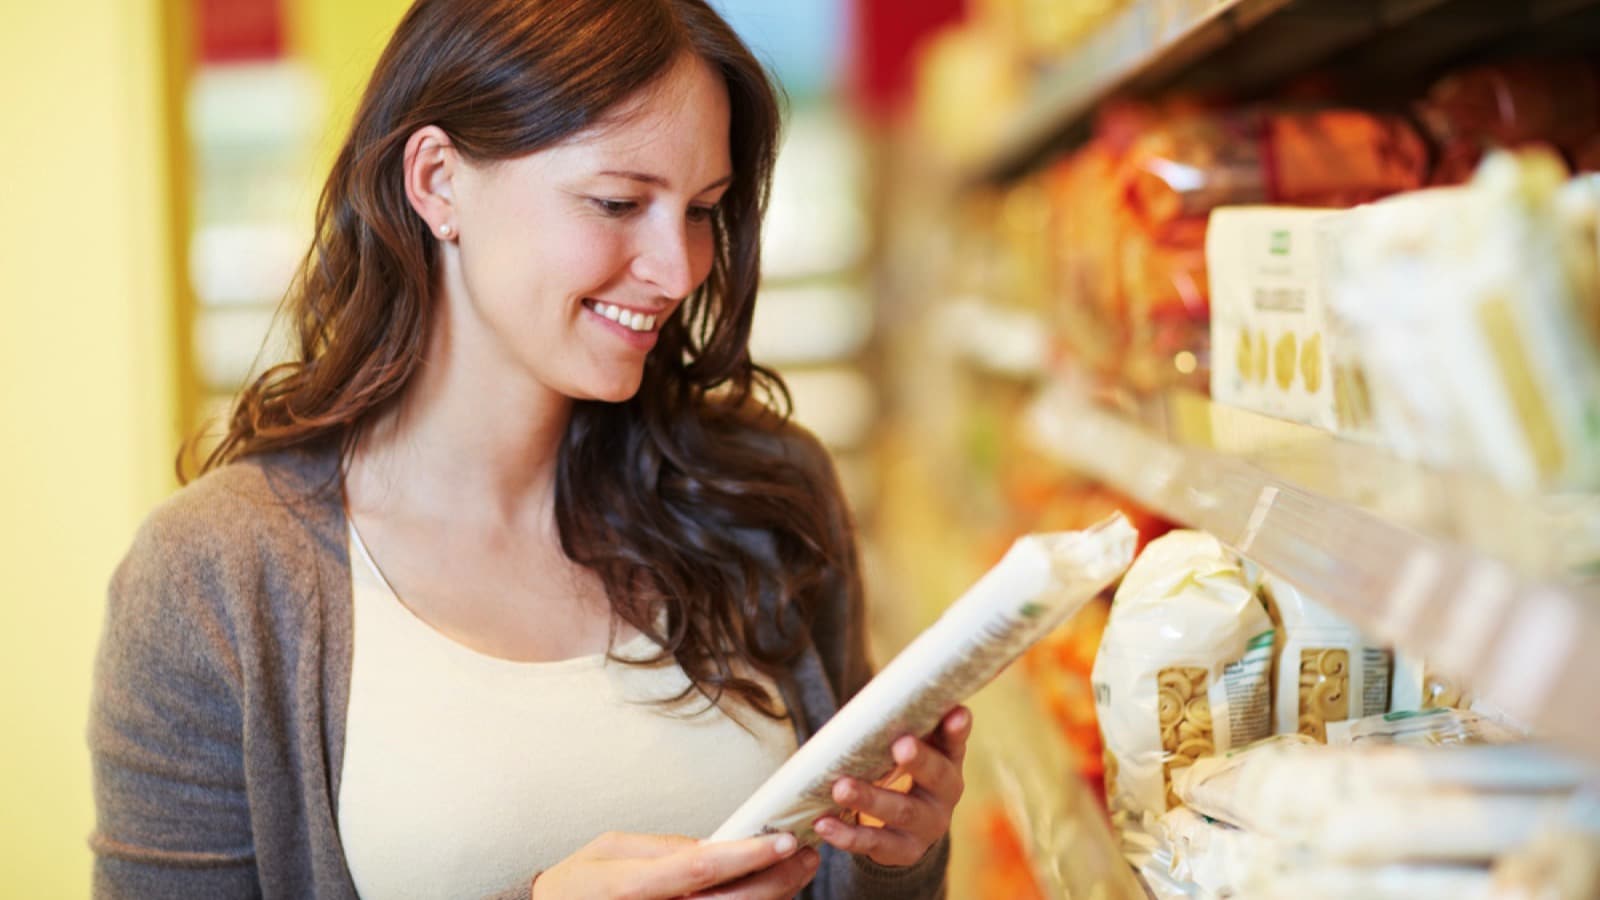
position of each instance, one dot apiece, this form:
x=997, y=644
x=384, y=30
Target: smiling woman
x=619, y=217
x=519, y=561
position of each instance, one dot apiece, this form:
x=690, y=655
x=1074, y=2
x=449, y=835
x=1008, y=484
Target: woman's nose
x=667, y=260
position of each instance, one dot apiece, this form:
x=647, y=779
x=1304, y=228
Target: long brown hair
x=679, y=498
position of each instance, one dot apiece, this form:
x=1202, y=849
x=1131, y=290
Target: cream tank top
x=464, y=774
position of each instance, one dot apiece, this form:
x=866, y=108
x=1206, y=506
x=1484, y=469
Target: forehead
x=682, y=115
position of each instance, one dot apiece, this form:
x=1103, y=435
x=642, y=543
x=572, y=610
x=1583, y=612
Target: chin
x=616, y=391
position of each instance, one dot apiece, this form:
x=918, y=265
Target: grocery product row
x=1257, y=744
x=1342, y=328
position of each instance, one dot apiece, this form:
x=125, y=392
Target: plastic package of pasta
x=1418, y=686
x=1384, y=804
x=1219, y=860
x=1197, y=161
x=1041, y=581
x=1427, y=728
x=1327, y=671
x=1184, y=668
x=1471, y=326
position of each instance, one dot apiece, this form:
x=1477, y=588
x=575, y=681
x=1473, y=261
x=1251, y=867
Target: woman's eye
x=615, y=208
x=698, y=214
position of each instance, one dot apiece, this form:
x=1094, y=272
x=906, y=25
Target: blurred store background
x=999, y=286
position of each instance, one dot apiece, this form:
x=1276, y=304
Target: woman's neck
x=466, y=448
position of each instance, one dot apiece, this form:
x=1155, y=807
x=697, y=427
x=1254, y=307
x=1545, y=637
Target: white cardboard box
x=1276, y=346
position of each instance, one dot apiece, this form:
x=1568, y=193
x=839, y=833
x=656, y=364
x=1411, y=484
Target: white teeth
x=634, y=320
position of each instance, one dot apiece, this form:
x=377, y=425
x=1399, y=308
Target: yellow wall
x=88, y=370
x=86, y=392
x=342, y=41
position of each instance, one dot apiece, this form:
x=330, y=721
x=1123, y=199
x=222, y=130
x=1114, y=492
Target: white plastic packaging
x=1381, y=804
x=1040, y=582
x=1424, y=728
x=1327, y=671
x=1184, y=668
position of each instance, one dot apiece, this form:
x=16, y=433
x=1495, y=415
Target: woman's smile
x=638, y=328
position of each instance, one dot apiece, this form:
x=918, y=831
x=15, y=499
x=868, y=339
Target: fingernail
x=824, y=827
x=785, y=844
x=843, y=791
x=905, y=751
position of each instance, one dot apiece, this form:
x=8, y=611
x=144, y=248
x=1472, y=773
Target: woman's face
x=570, y=259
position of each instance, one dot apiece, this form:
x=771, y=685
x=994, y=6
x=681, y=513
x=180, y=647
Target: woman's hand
x=912, y=821
x=618, y=866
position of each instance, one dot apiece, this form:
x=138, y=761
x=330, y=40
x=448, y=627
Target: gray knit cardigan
x=218, y=716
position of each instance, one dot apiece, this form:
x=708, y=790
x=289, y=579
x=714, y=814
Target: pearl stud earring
x=445, y=231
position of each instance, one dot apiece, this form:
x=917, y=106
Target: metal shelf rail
x=1242, y=47
x=1527, y=643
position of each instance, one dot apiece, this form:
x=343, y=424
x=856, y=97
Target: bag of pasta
x=1184, y=668
x=1418, y=686
x=1327, y=672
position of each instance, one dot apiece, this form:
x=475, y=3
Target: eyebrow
x=658, y=181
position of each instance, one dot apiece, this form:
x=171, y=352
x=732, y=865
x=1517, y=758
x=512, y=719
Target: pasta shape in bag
x=1327, y=672
x=1183, y=670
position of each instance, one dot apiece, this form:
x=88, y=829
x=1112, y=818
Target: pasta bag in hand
x=1184, y=669
x=1327, y=672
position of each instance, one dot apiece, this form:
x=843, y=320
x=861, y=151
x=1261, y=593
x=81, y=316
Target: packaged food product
x=1327, y=671
x=1167, y=303
x=1469, y=327
x=1428, y=728
x=1341, y=157
x=1561, y=864
x=1417, y=686
x=1198, y=161
x=1279, y=347
x=1215, y=857
x=1224, y=861
x=1394, y=881
x=1376, y=804
x=1088, y=313
x=1184, y=668
x=1514, y=103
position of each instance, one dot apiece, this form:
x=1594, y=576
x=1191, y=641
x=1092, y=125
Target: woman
x=509, y=574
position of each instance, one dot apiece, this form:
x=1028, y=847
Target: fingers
x=885, y=846
x=778, y=882
x=912, y=822
x=918, y=813
x=952, y=734
x=933, y=773
x=707, y=865
x=622, y=845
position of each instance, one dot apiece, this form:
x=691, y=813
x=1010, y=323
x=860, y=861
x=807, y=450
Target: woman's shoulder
x=239, y=507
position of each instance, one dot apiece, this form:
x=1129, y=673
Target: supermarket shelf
x=1383, y=542
x=1145, y=36
x=1242, y=47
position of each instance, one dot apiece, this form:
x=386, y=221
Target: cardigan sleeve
x=840, y=635
x=172, y=815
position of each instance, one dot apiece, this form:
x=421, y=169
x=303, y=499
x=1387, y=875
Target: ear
x=431, y=163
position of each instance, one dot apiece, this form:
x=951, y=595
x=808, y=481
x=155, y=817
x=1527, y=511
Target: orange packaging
x=1169, y=313
x=1005, y=873
x=1087, y=309
x=1513, y=103
x=1339, y=157
x=1176, y=174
